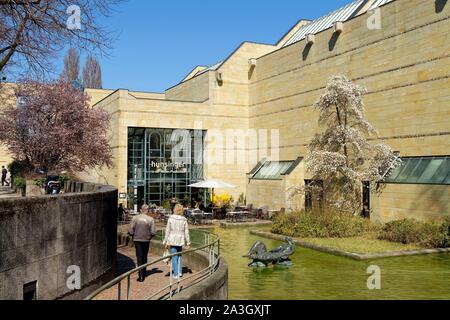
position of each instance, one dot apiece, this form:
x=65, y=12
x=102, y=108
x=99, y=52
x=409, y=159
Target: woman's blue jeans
x=177, y=262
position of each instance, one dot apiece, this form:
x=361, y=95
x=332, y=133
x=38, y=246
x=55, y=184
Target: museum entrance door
x=168, y=161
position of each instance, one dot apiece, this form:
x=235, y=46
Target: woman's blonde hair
x=178, y=210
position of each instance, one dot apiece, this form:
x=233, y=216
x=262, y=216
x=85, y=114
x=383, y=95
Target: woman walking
x=177, y=236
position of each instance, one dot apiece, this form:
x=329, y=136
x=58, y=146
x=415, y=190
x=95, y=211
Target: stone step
x=6, y=191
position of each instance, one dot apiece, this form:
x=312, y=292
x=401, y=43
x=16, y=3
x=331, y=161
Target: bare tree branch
x=33, y=33
x=71, y=71
x=92, y=74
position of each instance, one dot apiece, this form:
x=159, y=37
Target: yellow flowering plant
x=222, y=200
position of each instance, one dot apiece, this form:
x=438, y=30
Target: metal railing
x=210, y=246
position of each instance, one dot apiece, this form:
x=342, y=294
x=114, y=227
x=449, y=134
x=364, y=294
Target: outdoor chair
x=239, y=216
x=196, y=216
x=234, y=216
x=162, y=217
x=127, y=218
x=253, y=212
x=207, y=219
x=263, y=213
x=165, y=215
x=231, y=215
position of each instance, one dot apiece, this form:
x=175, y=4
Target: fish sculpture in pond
x=279, y=256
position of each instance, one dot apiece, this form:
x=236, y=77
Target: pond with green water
x=320, y=276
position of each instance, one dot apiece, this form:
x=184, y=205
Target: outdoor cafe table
x=197, y=215
x=216, y=211
x=236, y=215
x=208, y=214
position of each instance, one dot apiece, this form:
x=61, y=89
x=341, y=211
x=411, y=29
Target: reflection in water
x=320, y=276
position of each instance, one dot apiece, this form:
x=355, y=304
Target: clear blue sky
x=160, y=41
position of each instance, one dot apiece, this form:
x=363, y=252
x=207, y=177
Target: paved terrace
x=157, y=277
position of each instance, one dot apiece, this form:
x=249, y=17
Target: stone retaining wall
x=41, y=237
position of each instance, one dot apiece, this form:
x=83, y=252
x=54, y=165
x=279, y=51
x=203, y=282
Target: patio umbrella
x=212, y=184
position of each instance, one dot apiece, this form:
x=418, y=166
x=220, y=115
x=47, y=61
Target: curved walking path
x=157, y=277
x=7, y=192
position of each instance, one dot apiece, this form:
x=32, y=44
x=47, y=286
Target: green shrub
x=19, y=183
x=446, y=229
x=18, y=168
x=65, y=178
x=409, y=231
x=166, y=204
x=316, y=224
x=39, y=182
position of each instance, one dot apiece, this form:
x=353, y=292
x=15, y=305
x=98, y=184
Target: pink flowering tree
x=51, y=126
x=341, y=158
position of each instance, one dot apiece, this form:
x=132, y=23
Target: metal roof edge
x=294, y=166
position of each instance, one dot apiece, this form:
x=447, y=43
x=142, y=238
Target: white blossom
x=340, y=155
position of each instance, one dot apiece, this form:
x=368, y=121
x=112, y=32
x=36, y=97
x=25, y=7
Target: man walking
x=142, y=229
x=4, y=173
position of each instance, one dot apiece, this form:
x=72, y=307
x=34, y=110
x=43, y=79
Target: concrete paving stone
x=157, y=277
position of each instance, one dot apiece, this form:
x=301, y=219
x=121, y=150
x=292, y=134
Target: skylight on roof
x=343, y=14
x=325, y=22
x=379, y=3
x=273, y=170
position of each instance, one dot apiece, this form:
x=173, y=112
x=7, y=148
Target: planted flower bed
x=354, y=234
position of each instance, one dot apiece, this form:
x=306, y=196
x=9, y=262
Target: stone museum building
x=248, y=119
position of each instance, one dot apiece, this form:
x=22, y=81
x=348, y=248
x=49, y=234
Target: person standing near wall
x=142, y=229
x=121, y=213
x=4, y=173
x=177, y=236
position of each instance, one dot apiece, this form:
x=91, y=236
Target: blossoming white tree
x=341, y=157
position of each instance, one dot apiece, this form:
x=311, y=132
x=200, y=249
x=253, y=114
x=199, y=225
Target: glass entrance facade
x=162, y=163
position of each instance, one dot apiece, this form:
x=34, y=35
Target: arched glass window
x=155, y=141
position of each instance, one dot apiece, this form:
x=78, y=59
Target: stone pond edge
x=236, y=225
x=354, y=256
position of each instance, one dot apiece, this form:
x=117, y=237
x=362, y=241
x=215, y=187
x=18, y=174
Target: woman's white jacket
x=177, y=232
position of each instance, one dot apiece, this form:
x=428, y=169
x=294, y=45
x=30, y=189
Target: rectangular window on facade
x=422, y=170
